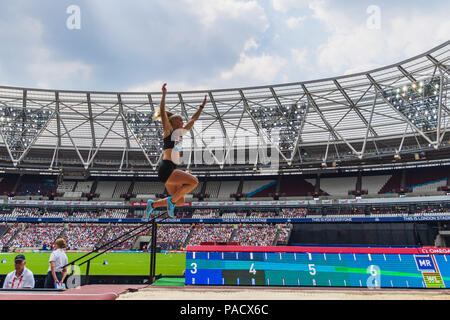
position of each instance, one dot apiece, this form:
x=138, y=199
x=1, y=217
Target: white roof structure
x=398, y=109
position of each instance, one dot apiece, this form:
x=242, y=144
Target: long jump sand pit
x=248, y=293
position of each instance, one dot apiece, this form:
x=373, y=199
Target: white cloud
x=262, y=69
x=294, y=22
x=248, y=71
x=352, y=47
x=31, y=62
x=183, y=40
x=300, y=58
x=250, y=44
x=208, y=12
x=50, y=73
x=287, y=5
x=156, y=85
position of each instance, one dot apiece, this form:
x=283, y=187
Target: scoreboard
x=318, y=267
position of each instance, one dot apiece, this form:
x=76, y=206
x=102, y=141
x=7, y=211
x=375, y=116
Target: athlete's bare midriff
x=171, y=155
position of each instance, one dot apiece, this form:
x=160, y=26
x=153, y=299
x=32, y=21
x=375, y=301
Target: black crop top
x=169, y=143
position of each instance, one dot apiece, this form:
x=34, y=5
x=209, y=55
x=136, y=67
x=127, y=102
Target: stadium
x=327, y=184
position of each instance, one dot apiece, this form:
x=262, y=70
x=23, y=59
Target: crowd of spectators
x=210, y=233
x=205, y=213
x=37, y=236
x=293, y=212
x=262, y=214
x=55, y=214
x=113, y=213
x=172, y=237
x=117, y=230
x=231, y=215
x=183, y=214
x=84, y=214
x=255, y=235
x=84, y=236
x=25, y=212
x=11, y=230
x=431, y=210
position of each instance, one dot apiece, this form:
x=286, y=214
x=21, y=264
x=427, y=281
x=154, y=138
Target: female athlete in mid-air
x=178, y=183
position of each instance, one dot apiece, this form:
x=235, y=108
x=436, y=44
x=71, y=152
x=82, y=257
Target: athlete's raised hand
x=204, y=102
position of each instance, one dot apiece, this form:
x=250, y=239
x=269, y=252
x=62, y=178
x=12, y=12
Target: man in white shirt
x=21, y=277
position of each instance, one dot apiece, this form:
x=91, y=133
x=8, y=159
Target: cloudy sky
x=136, y=45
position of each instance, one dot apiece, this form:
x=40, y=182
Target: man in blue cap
x=21, y=277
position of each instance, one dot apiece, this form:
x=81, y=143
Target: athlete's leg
x=183, y=182
x=172, y=189
x=178, y=185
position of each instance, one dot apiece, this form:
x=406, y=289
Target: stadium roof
x=369, y=117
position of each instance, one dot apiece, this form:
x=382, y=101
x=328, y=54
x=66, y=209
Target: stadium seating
x=205, y=213
x=198, y=188
x=338, y=186
x=8, y=233
x=253, y=187
x=55, y=214
x=3, y=230
x=73, y=194
x=212, y=188
x=210, y=233
x=35, y=236
x=283, y=233
x=85, y=236
x=84, y=186
x=393, y=183
x=117, y=230
x=121, y=188
x=105, y=189
x=430, y=187
x=148, y=188
x=296, y=186
x=255, y=235
x=35, y=185
x=66, y=186
x=262, y=214
x=172, y=237
x=293, y=212
x=227, y=188
x=373, y=184
x=231, y=215
x=7, y=184
x=113, y=213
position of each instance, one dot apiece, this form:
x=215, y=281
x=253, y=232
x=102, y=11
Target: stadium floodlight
x=287, y=119
x=420, y=105
x=148, y=133
x=19, y=126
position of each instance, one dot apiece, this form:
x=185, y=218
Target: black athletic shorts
x=165, y=169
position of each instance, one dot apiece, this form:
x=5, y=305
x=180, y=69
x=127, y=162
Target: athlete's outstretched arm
x=167, y=127
x=195, y=117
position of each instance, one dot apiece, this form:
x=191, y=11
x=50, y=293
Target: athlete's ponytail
x=157, y=115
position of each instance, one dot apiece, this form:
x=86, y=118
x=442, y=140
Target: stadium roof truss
x=392, y=110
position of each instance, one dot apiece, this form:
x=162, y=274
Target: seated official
x=21, y=277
